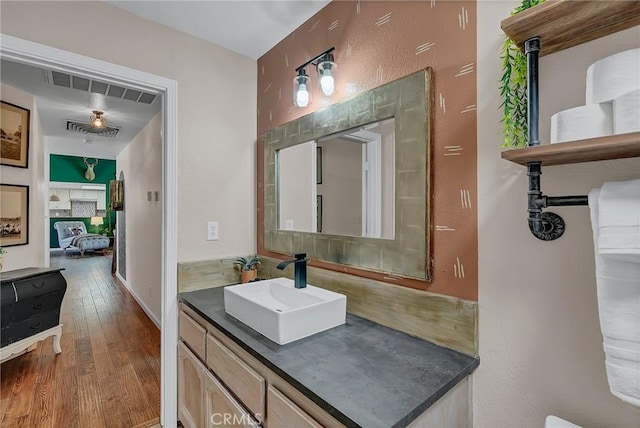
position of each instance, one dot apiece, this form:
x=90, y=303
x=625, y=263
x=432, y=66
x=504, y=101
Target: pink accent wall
x=378, y=42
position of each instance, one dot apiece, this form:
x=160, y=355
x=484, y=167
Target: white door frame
x=371, y=183
x=35, y=54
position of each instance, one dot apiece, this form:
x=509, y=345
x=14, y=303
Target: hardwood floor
x=108, y=374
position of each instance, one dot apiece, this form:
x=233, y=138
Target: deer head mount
x=89, y=174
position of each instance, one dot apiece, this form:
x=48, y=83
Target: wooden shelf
x=561, y=24
x=593, y=149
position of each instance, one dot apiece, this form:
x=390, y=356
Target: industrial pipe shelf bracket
x=546, y=226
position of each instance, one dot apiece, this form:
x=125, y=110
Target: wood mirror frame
x=410, y=101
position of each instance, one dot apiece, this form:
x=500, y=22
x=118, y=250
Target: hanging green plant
x=513, y=88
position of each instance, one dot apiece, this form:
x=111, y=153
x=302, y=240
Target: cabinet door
x=65, y=203
x=284, y=413
x=76, y=193
x=221, y=409
x=102, y=200
x=190, y=388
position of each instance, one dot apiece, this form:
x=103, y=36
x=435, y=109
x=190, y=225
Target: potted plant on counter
x=248, y=268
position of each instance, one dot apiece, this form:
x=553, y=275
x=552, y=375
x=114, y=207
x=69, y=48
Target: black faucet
x=300, y=273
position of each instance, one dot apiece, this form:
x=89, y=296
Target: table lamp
x=97, y=221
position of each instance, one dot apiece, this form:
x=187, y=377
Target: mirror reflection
x=341, y=184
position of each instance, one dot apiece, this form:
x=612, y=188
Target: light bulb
x=302, y=96
x=326, y=67
x=327, y=84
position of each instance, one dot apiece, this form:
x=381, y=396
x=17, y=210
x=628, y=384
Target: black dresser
x=31, y=300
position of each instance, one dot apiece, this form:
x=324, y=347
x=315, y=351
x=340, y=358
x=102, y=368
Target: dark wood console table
x=30, y=311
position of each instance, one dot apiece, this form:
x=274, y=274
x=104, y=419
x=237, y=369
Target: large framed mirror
x=350, y=184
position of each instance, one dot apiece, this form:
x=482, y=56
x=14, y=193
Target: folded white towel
x=619, y=218
x=618, y=286
x=624, y=383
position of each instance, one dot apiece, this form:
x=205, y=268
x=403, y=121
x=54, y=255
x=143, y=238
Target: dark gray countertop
x=361, y=373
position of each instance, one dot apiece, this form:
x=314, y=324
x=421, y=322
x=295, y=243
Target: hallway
x=108, y=374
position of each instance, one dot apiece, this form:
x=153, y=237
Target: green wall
x=71, y=169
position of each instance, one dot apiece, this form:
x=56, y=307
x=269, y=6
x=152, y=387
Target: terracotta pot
x=248, y=275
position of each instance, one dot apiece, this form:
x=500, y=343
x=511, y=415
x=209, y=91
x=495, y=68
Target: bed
x=73, y=235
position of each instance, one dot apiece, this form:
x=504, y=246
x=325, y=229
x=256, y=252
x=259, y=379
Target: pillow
x=75, y=231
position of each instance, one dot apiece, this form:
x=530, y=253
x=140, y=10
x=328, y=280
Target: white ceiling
x=57, y=104
x=249, y=27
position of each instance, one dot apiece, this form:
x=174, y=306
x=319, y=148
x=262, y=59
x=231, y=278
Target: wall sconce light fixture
x=301, y=94
x=325, y=66
x=98, y=120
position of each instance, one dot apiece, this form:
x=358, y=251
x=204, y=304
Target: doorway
x=23, y=51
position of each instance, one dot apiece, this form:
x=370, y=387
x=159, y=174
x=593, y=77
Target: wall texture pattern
x=378, y=42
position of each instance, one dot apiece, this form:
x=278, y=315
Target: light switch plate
x=288, y=224
x=212, y=231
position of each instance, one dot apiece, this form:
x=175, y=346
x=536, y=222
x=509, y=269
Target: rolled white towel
x=613, y=76
x=579, y=123
x=626, y=113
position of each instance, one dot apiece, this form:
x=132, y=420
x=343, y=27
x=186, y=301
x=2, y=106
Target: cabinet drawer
x=38, y=285
x=221, y=409
x=23, y=329
x=8, y=296
x=193, y=334
x=283, y=413
x=245, y=383
x=28, y=308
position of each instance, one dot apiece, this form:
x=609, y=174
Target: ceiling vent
x=65, y=80
x=86, y=128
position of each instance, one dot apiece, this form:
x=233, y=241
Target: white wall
x=22, y=256
x=540, y=341
x=341, y=187
x=216, y=109
x=141, y=162
x=74, y=147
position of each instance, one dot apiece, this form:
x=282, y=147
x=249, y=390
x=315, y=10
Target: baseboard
x=137, y=298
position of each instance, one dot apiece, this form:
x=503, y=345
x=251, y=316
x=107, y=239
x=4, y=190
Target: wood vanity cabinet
x=218, y=379
x=225, y=381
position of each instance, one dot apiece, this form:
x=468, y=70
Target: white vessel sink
x=283, y=313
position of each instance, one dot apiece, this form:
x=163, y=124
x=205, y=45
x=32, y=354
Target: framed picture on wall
x=14, y=215
x=14, y=138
